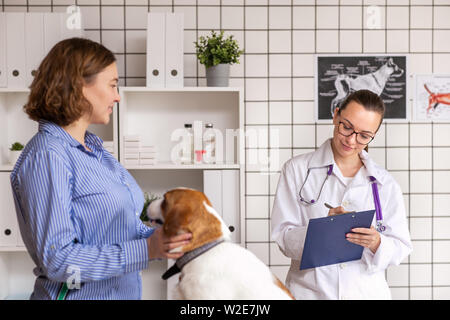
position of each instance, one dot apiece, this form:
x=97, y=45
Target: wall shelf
x=171, y=166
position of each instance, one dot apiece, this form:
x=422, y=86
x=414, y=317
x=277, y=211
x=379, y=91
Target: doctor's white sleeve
x=395, y=243
x=288, y=227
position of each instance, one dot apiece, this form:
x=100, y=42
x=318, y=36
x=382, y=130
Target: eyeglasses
x=361, y=137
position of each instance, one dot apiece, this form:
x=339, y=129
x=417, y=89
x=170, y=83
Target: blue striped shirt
x=78, y=213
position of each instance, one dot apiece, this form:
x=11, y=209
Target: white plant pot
x=13, y=156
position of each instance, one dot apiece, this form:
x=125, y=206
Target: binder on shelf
x=174, y=50
x=230, y=202
x=3, y=70
x=212, y=188
x=15, y=49
x=34, y=44
x=156, y=49
x=52, y=30
x=9, y=228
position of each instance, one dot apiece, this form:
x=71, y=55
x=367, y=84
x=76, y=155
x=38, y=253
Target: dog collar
x=188, y=256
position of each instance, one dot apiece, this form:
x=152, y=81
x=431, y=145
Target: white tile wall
x=281, y=39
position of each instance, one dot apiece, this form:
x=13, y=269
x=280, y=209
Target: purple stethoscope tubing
x=376, y=197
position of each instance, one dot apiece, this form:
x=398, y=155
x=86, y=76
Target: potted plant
x=148, y=200
x=14, y=152
x=217, y=53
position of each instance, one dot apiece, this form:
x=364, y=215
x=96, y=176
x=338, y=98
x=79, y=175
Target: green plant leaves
x=16, y=146
x=215, y=49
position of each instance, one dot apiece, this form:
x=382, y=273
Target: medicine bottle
x=187, y=156
x=209, y=144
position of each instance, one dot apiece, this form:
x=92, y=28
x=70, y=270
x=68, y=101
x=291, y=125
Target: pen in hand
x=339, y=211
x=328, y=206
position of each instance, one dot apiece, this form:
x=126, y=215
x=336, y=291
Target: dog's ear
x=176, y=220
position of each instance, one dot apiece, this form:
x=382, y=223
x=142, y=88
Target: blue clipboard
x=325, y=241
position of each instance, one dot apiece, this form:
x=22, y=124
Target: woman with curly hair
x=78, y=209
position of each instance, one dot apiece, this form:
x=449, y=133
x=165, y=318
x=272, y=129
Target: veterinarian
x=341, y=173
x=78, y=209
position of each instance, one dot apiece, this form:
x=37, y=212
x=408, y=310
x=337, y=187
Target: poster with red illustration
x=432, y=101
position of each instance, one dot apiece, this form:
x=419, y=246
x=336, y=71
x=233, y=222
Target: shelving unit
x=152, y=114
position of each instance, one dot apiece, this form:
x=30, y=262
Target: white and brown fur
x=225, y=272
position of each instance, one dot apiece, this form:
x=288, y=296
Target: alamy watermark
x=261, y=148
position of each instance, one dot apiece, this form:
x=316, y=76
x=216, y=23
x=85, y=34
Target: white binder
x=9, y=229
x=15, y=49
x=3, y=70
x=52, y=30
x=212, y=188
x=230, y=202
x=174, y=50
x=156, y=49
x=34, y=43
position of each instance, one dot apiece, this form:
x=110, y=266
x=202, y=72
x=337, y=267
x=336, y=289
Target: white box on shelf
x=15, y=49
x=132, y=138
x=3, y=70
x=34, y=43
x=148, y=161
x=212, y=188
x=9, y=229
x=174, y=50
x=131, y=156
x=156, y=49
x=230, y=202
x=149, y=149
x=131, y=162
x=131, y=150
x=132, y=144
x=148, y=155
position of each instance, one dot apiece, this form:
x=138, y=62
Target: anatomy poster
x=338, y=76
x=432, y=100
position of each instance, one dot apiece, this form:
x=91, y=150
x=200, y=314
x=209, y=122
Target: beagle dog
x=212, y=267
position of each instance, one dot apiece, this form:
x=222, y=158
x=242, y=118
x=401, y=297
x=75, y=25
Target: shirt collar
x=324, y=157
x=62, y=134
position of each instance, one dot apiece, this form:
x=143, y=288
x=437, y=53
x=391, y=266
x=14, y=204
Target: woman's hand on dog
x=159, y=246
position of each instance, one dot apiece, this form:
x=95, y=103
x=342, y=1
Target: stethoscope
x=376, y=196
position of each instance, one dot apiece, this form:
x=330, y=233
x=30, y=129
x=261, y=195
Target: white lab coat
x=360, y=279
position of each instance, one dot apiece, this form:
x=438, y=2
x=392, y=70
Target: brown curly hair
x=57, y=89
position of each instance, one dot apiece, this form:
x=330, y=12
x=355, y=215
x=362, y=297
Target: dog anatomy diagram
x=338, y=76
x=432, y=101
